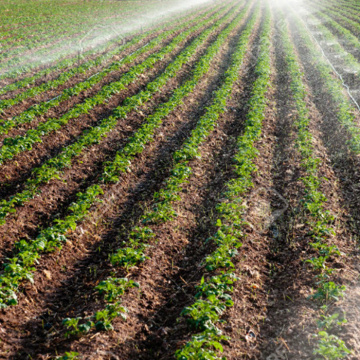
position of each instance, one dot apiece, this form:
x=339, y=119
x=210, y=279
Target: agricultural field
x=179, y=180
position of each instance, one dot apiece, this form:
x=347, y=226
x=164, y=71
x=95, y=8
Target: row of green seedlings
x=108, y=90
x=11, y=46
x=351, y=8
x=16, y=26
x=344, y=33
x=21, y=266
x=351, y=4
x=62, y=79
x=67, y=63
x=18, y=57
x=347, y=58
x=105, y=52
x=213, y=295
x=319, y=219
x=52, y=168
x=64, y=64
x=141, y=236
x=104, y=94
x=338, y=5
x=13, y=146
x=83, y=68
x=60, y=65
x=341, y=16
x=50, y=33
x=35, y=15
x=8, y=26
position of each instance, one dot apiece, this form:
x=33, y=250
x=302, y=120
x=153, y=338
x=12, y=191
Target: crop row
x=60, y=65
x=337, y=4
x=14, y=146
x=43, y=33
x=34, y=16
x=214, y=292
x=21, y=267
x=162, y=210
x=314, y=205
x=40, y=109
x=43, y=30
x=62, y=79
x=349, y=4
x=52, y=168
x=14, y=45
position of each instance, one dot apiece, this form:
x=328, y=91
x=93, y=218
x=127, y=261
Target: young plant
x=330, y=347
x=69, y=356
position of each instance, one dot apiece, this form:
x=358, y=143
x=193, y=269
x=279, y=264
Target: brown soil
x=15, y=172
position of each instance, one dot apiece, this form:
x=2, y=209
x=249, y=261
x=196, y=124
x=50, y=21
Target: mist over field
x=105, y=21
